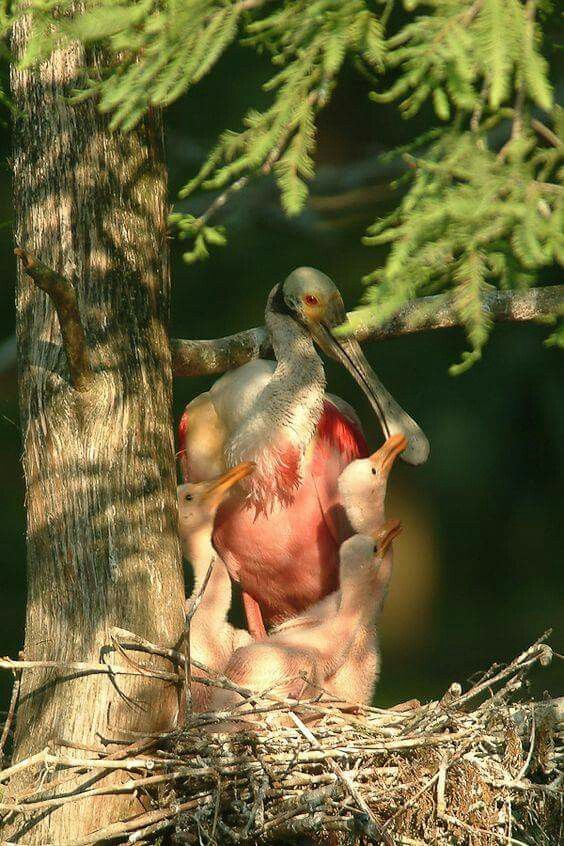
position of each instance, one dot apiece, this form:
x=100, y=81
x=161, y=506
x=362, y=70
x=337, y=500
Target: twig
x=119, y=829
x=477, y=831
x=78, y=794
x=546, y=133
x=302, y=805
x=88, y=779
x=441, y=772
x=441, y=786
x=46, y=757
x=527, y=762
x=200, y=358
x=85, y=667
x=62, y=294
x=11, y=713
x=522, y=660
x=194, y=605
x=125, y=637
x=345, y=779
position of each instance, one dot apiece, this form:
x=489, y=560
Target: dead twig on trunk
x=11, y=713
x=62, y=294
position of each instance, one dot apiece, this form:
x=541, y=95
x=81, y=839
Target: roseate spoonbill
x=280, y=533
x=296, y=662
x=212, y=638
x=362, y=486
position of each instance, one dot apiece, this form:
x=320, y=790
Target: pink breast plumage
x=286, y=555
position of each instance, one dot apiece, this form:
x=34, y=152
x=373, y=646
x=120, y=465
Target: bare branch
x=62, y=294
x=11, y=713
x=85, y=667
x=199, y=358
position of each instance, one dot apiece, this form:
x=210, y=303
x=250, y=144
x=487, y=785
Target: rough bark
x=98, y=460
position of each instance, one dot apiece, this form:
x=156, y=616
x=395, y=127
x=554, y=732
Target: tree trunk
x=99, y=462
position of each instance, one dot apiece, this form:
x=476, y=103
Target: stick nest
x=444, y=772
x=477, y=768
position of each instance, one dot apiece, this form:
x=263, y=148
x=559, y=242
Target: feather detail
x=338, y=429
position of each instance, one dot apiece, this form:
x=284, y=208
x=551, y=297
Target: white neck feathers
x=283, y=420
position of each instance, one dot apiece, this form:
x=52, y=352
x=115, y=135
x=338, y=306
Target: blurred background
x=479, y=568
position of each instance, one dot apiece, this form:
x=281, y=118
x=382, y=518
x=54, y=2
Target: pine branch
x=199, y=358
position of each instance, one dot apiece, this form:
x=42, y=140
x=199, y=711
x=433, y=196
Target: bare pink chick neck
x=365, y=570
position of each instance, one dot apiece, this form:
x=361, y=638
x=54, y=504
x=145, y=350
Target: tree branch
x=209, y=357
x=62, y=294
x=199, y=358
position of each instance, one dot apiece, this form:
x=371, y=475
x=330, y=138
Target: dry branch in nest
x=478, y=768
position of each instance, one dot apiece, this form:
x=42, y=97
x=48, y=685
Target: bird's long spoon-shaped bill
x=393, y=419
x=384, y=458
x=217, y=488
x=385, y=535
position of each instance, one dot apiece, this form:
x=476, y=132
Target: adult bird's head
x=313, y=300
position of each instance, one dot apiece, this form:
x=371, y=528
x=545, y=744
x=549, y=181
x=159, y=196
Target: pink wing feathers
x=339, y=440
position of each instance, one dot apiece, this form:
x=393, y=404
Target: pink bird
x=212, y=638
x=296, y=662
x=362, y=485
x=279, y=533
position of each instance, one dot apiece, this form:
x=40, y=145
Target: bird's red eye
x=311, y=300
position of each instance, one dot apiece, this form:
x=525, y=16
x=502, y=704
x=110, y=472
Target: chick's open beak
x=385, y=535
x=218, y=487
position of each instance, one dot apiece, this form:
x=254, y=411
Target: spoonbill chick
x=212, y=638
x=363, y=483
x=296, y=662
x=362, y=488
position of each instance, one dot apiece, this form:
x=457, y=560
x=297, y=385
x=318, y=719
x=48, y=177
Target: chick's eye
x=188, y=498
x=309, y=299
x=373, y=471
x=375, y=550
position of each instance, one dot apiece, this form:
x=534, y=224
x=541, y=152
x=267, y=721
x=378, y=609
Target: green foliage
x=308, y=43
x=160, y=48
x=484, y=204
x=461, y=51
x=472, y=217
x=203, y=236
x=480, y=205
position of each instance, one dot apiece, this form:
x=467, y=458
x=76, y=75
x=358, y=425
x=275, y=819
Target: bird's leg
x=255, y=623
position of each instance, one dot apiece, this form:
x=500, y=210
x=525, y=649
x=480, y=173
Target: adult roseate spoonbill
x=297, y=662
x=212, y=638
x=279, y=534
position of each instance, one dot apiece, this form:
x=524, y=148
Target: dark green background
x=479, y=570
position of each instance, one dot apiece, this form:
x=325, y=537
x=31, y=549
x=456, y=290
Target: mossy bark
x=99, y=463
